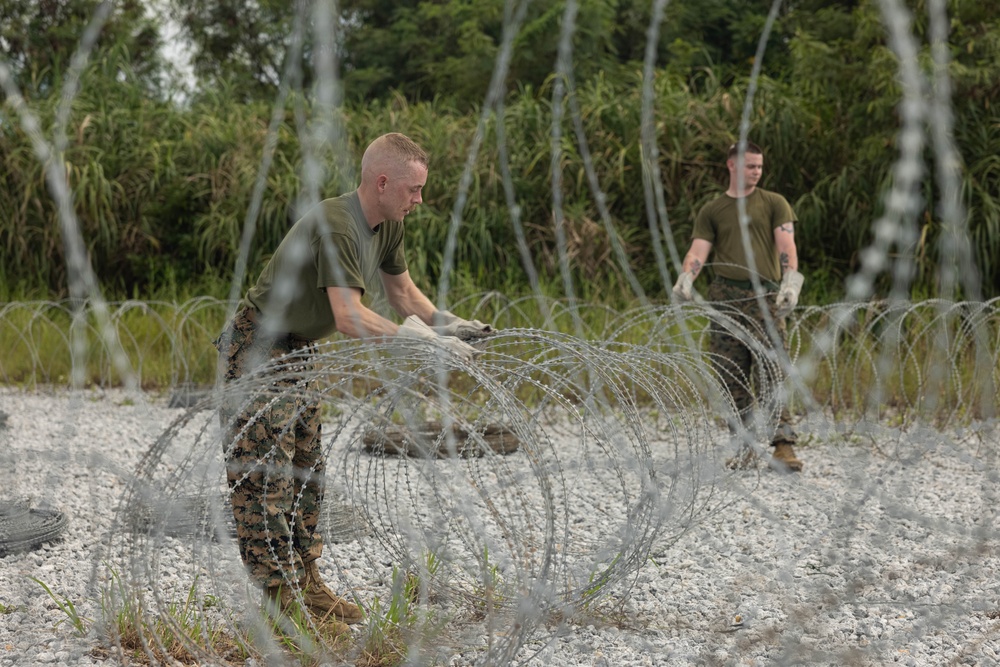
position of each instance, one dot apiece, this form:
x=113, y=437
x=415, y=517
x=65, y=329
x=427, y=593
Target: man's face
x=753, y=167
x=400, y=191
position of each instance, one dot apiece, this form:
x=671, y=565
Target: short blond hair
x=392, y=149
x=750, y=148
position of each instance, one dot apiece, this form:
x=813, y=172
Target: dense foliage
x=447, y=49
x=38, y=39
x=163, y=190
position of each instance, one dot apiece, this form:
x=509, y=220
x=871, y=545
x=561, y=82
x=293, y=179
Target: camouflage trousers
x=743, y=355
x=271, y=440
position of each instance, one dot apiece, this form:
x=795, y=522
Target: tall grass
x=165, y=344
x=930, y=359
x=162, y=193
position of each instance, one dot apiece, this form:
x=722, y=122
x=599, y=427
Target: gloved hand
x=684, y=287
x=788, y=292
x=414, y=327
x=447, y=323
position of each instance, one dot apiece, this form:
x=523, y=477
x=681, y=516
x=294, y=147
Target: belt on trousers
x=253, y=317
x=769, y=285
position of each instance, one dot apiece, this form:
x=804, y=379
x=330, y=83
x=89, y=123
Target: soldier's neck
x=735, y=193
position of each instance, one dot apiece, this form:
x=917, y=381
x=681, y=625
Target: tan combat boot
x=283, y=601
x=784, y=456
x=323, y=602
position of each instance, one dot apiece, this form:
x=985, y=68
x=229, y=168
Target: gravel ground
x=882, y=551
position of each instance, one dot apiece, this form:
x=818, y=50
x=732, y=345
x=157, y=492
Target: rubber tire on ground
x=23, y=528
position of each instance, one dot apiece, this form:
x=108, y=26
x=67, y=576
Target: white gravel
x=882, y=551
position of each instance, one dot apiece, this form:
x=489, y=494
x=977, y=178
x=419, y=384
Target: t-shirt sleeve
x=703, y=228
x=394, y=262
x=781, y=211
x=338, y=263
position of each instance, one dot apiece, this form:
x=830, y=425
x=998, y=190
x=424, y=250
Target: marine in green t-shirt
x=330, y=246
x=718, y=223
x=272, y=424
x=347, y=246
x=763, y=249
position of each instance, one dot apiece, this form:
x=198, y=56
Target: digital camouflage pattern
x=271, y=439
x=741, y=366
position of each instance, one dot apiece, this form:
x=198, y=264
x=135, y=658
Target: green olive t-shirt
x=718, y=223
x=330, y=246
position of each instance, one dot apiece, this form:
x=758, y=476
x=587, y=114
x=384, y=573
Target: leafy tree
x=448, y=48
x=723, y=35
x=39, y=37
x=424, y=49
x=242, y=44
x=843, y=68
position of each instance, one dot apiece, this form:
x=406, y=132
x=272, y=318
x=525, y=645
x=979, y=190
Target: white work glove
x=684, y=287
x=414, y=327
x=788, y=292
x=447, y=323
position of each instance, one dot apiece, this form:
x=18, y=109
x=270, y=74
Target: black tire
x=24, y=529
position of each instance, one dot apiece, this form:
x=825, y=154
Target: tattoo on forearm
x=695, y=268
x=783, y=260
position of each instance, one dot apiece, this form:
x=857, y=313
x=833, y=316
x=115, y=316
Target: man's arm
x=697, y=255
x=694, y=260
x=791, y=279
x=353, y=318
x=406, y=298
x=356, y=320
x=784, y=244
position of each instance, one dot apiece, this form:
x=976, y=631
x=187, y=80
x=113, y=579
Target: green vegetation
x=391, y=622
x=199, y=627
x=162, y=190
x=492, y=593
x=163, y=344
x=183, y=633
x=913, y=358
x=8, y=608
x=67, y=607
